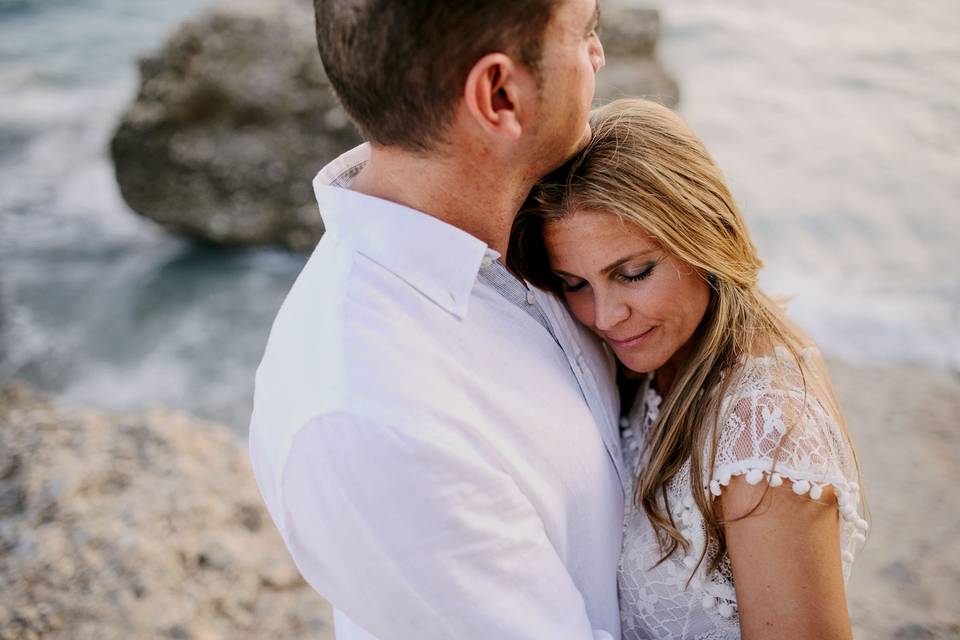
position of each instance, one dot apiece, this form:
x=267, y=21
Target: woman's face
x=643, y=302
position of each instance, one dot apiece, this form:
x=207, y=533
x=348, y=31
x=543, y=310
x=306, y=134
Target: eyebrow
x=610, y=267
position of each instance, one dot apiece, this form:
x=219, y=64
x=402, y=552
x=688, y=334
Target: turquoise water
x=837, y=125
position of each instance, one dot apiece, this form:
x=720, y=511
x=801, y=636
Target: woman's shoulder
x=780, y=423
x=778, y=417
x=774, y=368
x=793, y=380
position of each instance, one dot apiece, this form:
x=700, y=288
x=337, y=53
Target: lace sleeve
x=776, y=426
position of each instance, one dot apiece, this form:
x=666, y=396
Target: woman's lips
x=631, y=342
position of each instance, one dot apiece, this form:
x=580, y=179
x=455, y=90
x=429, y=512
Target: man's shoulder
x=341, y=293
x=348, y=332
x=332, y=349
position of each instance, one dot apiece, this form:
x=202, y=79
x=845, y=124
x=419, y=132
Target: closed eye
x=571, y=288
x=637, y=277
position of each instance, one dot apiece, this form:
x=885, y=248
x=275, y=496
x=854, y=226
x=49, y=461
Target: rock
x=914, y=632
x=234, y=117
x=629, y=32
x=12, y=500
x=630, y=36
x=138, y=527
x=927, y=632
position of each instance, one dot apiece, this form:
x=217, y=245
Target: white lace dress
x=767, y=400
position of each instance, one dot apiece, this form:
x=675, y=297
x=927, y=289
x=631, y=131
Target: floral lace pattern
x=775, y=427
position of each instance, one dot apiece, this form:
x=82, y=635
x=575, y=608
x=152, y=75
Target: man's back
x=424, y=444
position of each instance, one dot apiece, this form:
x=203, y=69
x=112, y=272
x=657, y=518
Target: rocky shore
x=150, y=526
x=234, y=117
x=905, y=583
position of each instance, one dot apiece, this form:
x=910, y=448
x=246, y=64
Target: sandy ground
x=904, y=421
x=127, y=527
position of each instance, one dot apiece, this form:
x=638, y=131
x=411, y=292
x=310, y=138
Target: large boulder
x=630, y=36
x=146, y=526
x=235, y=115
x=233, y=118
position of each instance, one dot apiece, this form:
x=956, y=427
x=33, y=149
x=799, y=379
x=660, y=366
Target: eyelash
x=643, y=275
x=574, y=288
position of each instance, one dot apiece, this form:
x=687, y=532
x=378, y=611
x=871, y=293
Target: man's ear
x=493, y=95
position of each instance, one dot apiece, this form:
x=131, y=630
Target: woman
x=745, y=511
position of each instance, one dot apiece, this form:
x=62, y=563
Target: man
x=436, y=443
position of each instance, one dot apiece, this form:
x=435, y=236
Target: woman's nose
x=609, y=312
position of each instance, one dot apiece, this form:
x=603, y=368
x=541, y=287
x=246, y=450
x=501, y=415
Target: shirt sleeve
x=778, y=429
x=413, y=536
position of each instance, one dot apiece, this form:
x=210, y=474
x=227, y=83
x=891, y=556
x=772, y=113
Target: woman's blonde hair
x=647, y=167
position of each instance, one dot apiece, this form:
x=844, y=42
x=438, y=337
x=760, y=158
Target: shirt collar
x=435, y=258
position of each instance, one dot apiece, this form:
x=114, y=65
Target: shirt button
x=486, y=262
x=530, y=298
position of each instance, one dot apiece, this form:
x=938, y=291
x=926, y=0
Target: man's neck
x=475, y=196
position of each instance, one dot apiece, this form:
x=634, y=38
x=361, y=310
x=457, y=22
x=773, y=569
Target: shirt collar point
x=441, y=261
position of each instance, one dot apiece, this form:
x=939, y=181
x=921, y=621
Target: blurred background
x=153, y=216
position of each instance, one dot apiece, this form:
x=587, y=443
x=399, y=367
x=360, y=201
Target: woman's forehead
x=597, y=226
x=593, y=238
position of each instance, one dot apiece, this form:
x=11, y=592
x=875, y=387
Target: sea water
x=837, y=125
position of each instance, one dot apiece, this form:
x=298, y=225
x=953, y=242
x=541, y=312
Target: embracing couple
x=527, y=387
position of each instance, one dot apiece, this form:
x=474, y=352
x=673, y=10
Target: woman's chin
x=639, y=355
x=637, y=362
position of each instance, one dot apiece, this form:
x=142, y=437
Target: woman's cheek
x=581, y=306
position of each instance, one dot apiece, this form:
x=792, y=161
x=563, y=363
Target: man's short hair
x=398, y=66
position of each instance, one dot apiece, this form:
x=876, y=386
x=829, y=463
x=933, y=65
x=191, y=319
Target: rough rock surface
x=630, y=36
x=137, y=527
x=234, y=116
x=233, y=119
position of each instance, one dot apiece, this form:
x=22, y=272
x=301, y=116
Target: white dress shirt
x=424, y=445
